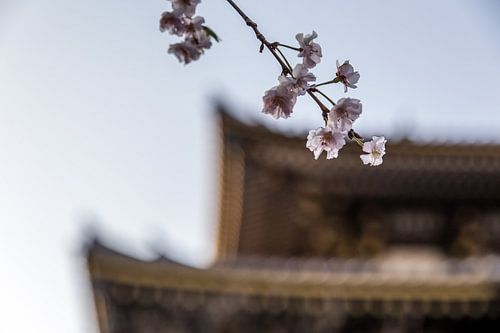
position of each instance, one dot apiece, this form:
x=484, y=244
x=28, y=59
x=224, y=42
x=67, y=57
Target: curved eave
x=124, y=270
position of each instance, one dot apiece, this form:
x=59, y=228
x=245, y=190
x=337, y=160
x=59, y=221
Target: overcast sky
x=100, y=127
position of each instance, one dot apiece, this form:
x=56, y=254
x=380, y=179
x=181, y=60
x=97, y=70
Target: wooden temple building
x=326, y=246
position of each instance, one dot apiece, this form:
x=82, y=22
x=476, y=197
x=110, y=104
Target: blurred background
x=102, y=131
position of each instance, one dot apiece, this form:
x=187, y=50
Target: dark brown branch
x=259, y=35
x=270, y=47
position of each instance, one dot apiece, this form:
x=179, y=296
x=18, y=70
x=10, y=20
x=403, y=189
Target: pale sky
x=100, y=127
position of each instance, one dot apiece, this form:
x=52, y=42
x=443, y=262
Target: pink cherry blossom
x=185, y=51
x=186, y=7
x=311, y=51
x=299, y=81
x=194, y=26
x=375, y=149
x=345, y=112
x=173, y=23
x=326, y=139
x=196, y=33
x=347, y=75
x=279, y=102
x=201, y=42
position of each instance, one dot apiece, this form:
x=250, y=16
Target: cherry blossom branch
x=269, y=46
x=310, y=92
x=294, y=81
x=259, y=35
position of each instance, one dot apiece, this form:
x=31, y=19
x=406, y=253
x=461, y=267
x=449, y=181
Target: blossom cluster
x=182, y=22
x=293, y=82
x=280, y=100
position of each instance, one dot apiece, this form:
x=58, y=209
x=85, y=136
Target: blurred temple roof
x=306, y=242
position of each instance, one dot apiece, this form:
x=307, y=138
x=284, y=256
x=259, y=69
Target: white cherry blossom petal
x=325, y=139
x=186, y=7
x=344, y=113
x=300, y=80
x=311, y=51
x=347, y=75
x=279, y=102
x=185, y=52
x=196, y=33
x=173, y=23
x=375, y=150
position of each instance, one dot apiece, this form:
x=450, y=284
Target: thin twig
x=314, y=89
x=285, y=68
x=324, y=109
x=299, y=49
x=325, y=83
x=286, y=61
x=259, y=35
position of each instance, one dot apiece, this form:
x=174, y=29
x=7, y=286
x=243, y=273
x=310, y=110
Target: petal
x=300, y=38
x=309, y=38
x=368, y=147
x=354, y=77
x=332, y=153
x=377, y=161
x=317, y=152
x=366, y=158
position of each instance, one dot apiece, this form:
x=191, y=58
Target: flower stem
x=324, y=109
x=325, y=83
x=314, y=89
x=358, y=141
x=356, y=137
x=285, y=68
x=288, y=46
x=286, y=61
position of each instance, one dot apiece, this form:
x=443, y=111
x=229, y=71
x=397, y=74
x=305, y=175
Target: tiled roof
x=266, y=176
x=130, y=280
